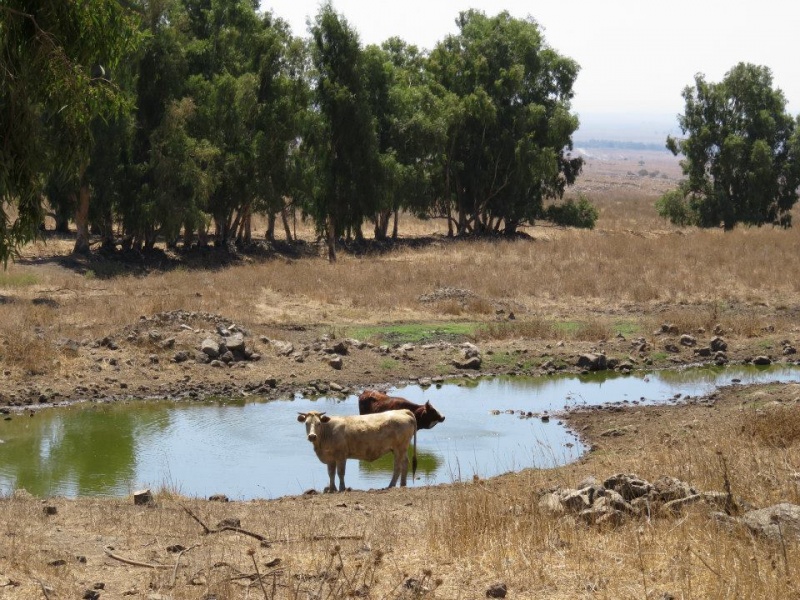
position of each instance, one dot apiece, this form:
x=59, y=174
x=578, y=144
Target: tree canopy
x=741, y=153
x=57, y=61
x=180, y=119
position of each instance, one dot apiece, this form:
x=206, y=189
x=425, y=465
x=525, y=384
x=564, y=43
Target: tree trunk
x=394, y=227
x=270, y=233
x=331, y=239
x=287, y=230
x=82, y=218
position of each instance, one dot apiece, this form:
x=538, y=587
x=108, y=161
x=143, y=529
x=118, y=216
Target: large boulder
x=592, y=362
x=210, y=348
x=778, y=522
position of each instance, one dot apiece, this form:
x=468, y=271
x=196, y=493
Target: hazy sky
x=636, y=56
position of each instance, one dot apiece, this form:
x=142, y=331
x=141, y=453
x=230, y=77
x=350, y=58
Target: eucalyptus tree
x=54, y=57
x=741, y=153
x=409, y=128
x=342, y=141
x=507, y=95
x=282, y=96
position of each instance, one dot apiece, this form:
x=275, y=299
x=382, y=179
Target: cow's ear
x=301, y=417
x=428, y=404
x=324, y=418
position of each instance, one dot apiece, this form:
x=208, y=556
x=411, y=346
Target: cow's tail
x=414, y=458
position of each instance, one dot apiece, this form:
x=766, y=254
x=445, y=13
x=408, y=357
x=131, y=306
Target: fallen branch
x=207, y=530
x=177, y=562
x=135, y=563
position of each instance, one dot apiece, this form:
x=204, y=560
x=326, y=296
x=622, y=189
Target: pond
x=251, y=449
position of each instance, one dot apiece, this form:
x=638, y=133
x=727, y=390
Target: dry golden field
x=569, y=291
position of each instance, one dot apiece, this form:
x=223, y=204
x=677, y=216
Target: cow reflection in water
x=364, y=437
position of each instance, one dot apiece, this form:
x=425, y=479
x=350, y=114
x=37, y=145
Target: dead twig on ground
x=207, y=530
x=135, y=563
x=177, y=562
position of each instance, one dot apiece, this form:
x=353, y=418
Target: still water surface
x=258, y=449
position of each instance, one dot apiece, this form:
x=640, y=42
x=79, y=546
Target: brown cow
x=365, y=437
x=373, y=401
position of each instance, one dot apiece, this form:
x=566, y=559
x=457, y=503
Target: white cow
x=365, y=437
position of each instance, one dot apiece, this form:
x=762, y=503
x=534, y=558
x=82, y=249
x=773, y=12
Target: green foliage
x=581, y=214
x=56, y=59
x=675, y=206
x=506, y=96
x=344, y=143
x=742, y=153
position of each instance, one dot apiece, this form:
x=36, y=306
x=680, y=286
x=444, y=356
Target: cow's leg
x=332, y=476
x=404, y=468
x=396, y=470
x=340, y=468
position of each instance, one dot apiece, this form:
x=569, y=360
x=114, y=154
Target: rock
x=551, y=503
x=592, y=362
x=218, y=498
x=235, y=343
x=576, y=500
x=629, y=486
x=718, y=344
x=283, y=348
x=470, y=363
x=704, y=351
x=675, y=506
x=469, y=350
x=602, y=512
x=50, y=510
x=688, y=340
x=181, y=356
x=143, y=497
x=778, y=522
x=762, y=360
x=336, y=363
x=227, y=357
x=617, y=502
x=669, y=328
x=590, y=481
x=210, y=348
x=497, y=590
x=667, y=489
x=670, y=347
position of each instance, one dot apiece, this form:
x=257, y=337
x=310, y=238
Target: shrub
x=674, y=206
x=582, y=214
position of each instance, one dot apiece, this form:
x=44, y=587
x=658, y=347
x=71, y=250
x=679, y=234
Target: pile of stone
x=625, y=496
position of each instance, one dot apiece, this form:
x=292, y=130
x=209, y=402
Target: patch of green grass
x=413, y=333
x=627, y=328
x=388, y=364
x=508, y=360
x=570, y=328
x=17, y=280
x=658, y=356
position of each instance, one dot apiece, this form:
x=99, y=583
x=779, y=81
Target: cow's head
x=430, y=417
x=312, y=419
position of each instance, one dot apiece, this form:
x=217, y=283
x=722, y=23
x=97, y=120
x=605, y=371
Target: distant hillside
x=619, y=145
x=646, y=131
